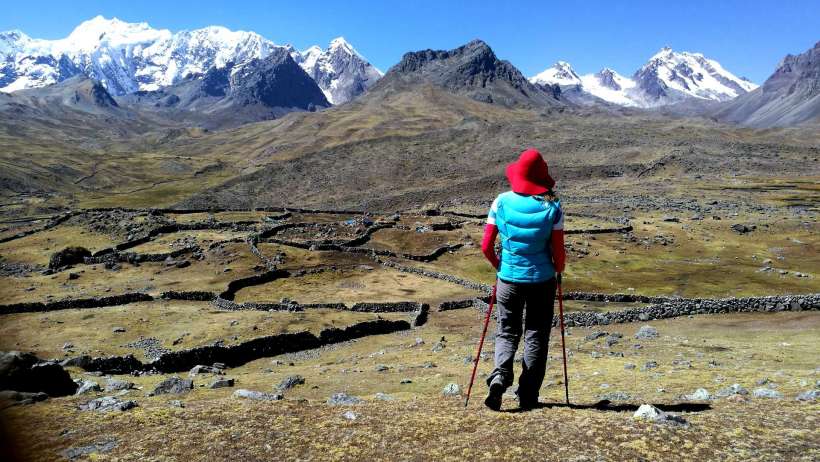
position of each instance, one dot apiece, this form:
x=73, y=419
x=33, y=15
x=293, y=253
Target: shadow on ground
x=606, y=405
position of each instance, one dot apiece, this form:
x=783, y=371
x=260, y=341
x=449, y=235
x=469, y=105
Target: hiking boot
x=526, y=404
x=493, y=400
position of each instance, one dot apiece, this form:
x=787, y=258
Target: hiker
x=531, y=225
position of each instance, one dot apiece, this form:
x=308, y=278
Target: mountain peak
x=471, y=70
x=560, y=73
x=339, y=43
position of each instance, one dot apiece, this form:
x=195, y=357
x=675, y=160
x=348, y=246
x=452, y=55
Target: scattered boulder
x=350, y=415
x=734, y=389
x=381, y=367
x=99, y=447
x=653, y=414
x=200, y=369
x=384, y=396
x=221, y=383
x=173, y=385
x=68, y=256
x=290, y=381
x=108, y=403
x=810, y=395
x=701, y=394
x=21, y=397
x=767, y=393
x=118, y=385
x=343, y=399
x=595, y=336
x=25, y=372
x=742, y=229
x=257, y=395
x=647, y=332
x=87, y=386
x=616, y=396
x=649, y=365
x=118, y=329
x=451, y=389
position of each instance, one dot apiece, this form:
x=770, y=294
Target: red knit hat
x=529, y=174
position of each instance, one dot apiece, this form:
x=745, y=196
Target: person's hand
x=558, y=278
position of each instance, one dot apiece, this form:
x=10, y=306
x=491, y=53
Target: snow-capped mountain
x=561, y=73
x=341, y=72
x=128, y=57
x=668, y=77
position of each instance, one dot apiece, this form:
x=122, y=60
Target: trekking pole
x=563, y=345
x=480, y=345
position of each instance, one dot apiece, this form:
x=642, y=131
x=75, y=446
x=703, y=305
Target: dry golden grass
x=356, y=285
x=745, y=347
x=37, y=248
x=189, y=323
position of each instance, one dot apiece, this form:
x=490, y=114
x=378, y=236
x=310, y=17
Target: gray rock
x=108, y=403
x=381, y=367
x=767, y=393
x=117, y=385
x=25, y=372
x=701, y=394
x=100, y=447
x=290, y=381
x=451, y=389
x=734, y=389
x=176, y=403
x=809, y=395
x=649, y=365
x=118, y=329
x=595, y=336
x=257, y=395
x=616, y=396
x=221, y=383
x=343, y=399
x=22, y=397
x=384, y=397
x=350, y=415
x=87, y=386
x=629, y=366
x=647, y=332
x=742, y=229
x=173, y=385
x=653, y=414
x=200, y=369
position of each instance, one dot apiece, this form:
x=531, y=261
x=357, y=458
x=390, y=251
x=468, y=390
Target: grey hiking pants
x=513, y=300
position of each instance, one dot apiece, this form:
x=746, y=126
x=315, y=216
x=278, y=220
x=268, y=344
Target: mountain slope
x=668, y=78
x=790, y=96
x=340, y=71
x=260, y=89
x=471, y=70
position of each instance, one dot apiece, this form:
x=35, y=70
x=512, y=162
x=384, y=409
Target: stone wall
x=94, y=302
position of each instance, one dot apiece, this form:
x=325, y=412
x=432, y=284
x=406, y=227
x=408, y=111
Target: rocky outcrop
x=24, y=372
x=68, y=256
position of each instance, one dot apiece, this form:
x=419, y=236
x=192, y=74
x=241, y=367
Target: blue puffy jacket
x=525, y=224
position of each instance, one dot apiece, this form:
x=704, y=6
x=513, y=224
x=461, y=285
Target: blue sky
x=748, y=37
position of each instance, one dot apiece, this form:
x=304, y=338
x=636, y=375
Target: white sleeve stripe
x=490, y=220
